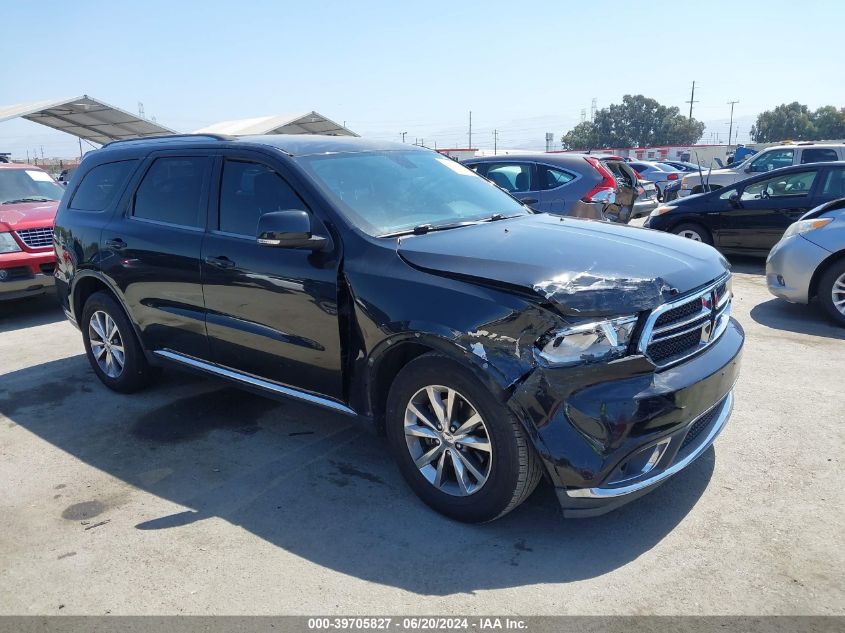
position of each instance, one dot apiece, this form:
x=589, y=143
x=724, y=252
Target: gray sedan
x=809, y=260
x=658, y=173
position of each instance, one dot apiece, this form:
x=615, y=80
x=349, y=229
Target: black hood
x=580, y=266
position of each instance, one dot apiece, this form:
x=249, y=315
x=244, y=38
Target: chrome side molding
x=254, y=381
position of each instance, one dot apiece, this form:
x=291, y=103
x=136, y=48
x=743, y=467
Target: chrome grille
x=678, y=329
x=36, y=238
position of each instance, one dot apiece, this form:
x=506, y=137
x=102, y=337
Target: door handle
x=219, y=262
x=116, y=244
x=529, y=200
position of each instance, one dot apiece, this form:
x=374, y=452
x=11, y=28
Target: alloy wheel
x=838, y=293
x=106, y=344
x=448, y=440
x=691, y=235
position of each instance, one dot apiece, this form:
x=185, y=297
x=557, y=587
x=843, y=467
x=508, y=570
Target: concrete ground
x=193, y=497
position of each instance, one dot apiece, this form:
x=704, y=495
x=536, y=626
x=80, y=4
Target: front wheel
x=111, y=346
x=831, y=292
x=459, y=448
x=694, y=232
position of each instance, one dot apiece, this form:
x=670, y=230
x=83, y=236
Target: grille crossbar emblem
x=709, y=302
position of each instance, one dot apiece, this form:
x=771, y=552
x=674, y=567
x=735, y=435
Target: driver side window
x=249, y=190
x=773, y=160
x=788, y=185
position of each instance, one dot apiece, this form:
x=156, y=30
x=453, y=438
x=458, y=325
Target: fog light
x=3, y=275
x=781, y=281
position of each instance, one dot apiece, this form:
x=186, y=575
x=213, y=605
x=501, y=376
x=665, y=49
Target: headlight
x=8, y=243
x=588, y=342
x=803, y=226
x=663, y=208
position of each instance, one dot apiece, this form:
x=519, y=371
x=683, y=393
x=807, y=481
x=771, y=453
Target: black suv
x=493, y=345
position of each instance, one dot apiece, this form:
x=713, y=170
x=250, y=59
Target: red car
x=29, y=198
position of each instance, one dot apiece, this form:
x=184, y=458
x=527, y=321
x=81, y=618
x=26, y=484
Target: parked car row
x=764, y=161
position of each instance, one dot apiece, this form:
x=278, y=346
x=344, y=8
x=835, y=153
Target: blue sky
x=524, y=68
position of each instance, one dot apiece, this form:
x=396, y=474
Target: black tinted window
x=250, y=190
x=551, y=178
x=834, y=184
x=820, y=155
x=101, y=185
x=172, y=191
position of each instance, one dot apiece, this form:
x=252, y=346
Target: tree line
x=641, y=122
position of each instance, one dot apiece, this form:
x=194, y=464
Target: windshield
x=28, y=185
x=393, y=191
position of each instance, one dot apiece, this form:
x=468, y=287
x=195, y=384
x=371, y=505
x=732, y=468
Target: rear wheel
x=457, y=446
x=111, y=346
x=831, y=292
x=694, y=232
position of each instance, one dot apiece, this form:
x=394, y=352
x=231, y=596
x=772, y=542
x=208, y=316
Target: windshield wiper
x=422, y=229
x=31, y=199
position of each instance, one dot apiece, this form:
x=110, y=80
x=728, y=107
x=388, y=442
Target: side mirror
x=288, y=229
x=734, y=199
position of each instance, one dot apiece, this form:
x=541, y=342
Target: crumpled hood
x=27, y=215
x=581, y=267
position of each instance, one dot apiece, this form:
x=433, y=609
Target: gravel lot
x=194, y=497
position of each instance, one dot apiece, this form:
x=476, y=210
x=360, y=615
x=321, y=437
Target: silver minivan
x=809, y=260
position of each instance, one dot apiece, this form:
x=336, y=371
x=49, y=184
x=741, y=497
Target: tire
x=694, y=232
x=134, y=372
x=511, y=469
x=831, y=292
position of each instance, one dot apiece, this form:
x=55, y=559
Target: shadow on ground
x=317, y=485
x=747, y=265
x=795, y=317
x=33, y=311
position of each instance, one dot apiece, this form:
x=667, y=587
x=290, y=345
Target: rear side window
x=101, y=185
x=834, y=184
x=551, y=178
x=248, y=191
x=172, y=191
x=818, y=155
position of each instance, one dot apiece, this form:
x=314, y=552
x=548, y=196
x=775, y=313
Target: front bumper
x=26, y=274
x=790, y=267
x=609, y=434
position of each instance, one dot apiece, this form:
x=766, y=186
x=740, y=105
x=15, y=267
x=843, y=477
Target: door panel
x=272, y=312
x=766, y=209
x=152, y=251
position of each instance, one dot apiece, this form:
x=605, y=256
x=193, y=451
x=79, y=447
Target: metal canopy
x=301, y=123
x=87, y=118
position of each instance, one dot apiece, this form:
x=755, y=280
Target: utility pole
x=403, y=136
x=691, y=100
x=495, y=142
x=731, y=128
x=141, y=110
x=593, y=108
x=42, y=152
x=470, y=129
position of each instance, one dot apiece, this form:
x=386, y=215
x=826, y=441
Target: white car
x=766, y=160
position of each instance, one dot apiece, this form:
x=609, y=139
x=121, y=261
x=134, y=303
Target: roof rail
x=158, y=137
